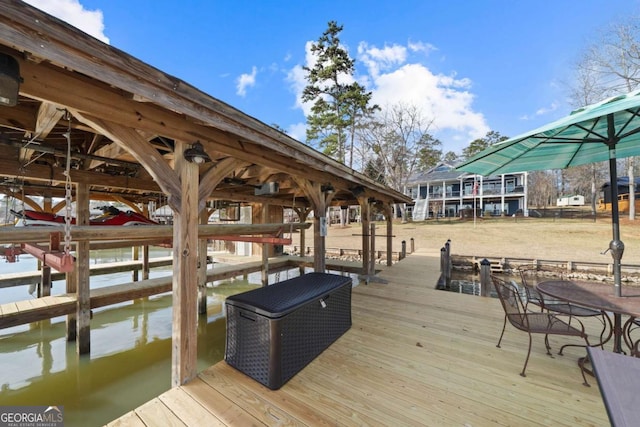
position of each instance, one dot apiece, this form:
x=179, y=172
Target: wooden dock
x=414, y=356
x=36, y=309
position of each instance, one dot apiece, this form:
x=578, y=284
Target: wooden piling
x=485, y=277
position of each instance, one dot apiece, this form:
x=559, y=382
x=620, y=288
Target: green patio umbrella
x=607, y=130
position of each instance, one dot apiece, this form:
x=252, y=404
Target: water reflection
x=130, y=360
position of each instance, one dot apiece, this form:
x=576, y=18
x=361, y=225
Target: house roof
x=442, y=172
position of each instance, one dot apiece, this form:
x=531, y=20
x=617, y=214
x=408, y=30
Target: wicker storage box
x=275, y=331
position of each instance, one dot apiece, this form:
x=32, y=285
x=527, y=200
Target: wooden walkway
x=415, y=356
x=36, y=309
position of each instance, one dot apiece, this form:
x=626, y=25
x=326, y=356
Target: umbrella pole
x=615, y=246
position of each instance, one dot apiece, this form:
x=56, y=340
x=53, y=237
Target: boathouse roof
x=125, y=119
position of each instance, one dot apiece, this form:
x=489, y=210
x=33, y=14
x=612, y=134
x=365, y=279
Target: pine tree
x=339, y=103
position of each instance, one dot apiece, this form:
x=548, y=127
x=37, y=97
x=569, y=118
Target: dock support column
x=83, y=343
x=388, y=211
x=185, y=262
x=71, y=288
x=372, y=260
x=265, y=265
x=135, y=256
x=202, y=266
x=485, y=278
x=145, y=262
x=365, y=217
x=44, y=290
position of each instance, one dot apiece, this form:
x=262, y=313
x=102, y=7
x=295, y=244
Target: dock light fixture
x=9, y=80
x=196, y=154
x=327, y=188
x=357, y=191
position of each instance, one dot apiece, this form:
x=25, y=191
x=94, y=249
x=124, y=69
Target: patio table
x=600, y=296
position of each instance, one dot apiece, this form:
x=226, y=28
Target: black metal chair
x=562, y=307
x=530, y=322
x=631, y=325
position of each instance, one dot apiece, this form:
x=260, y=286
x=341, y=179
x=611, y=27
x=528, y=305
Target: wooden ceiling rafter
x=133, y=142
x=212, y=177
x=153, y=119
x=131, y=96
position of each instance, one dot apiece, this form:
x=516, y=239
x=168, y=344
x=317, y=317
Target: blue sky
x=470, y=66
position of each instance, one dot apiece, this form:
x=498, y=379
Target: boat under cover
x=110, y=216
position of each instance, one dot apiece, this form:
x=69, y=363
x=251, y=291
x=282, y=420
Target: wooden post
x=365, y=217
x=265, y=265
x=135, y=255
x=372, y=261
x=202, y=267
x=71, y=287
x=485, y=277
x=389, y=215
x=185, y=281
x=412, y=248
x=83, y=313
x=447, y=264
x=403, y=250
x=442, y=281
x=319, y=242
x=303, y=213
x=145, y=262
x=44, y=290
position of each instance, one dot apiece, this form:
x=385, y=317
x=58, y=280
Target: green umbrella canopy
x=584, y=136
x=607, y=130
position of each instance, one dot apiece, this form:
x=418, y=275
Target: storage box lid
x=283, y=297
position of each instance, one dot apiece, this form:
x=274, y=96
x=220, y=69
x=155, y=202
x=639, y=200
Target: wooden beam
x=278, y=151
x=212, y=177
x=256, y=239
x=101, y=232
x=45, y=173
x=319, y=201
x=143, y=152
x=48, y=116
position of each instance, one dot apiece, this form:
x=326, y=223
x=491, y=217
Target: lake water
x=130, y=360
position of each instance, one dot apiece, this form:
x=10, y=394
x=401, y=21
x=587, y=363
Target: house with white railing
x=445, y=192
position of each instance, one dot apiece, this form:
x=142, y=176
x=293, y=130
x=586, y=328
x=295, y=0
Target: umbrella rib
x=634, y=114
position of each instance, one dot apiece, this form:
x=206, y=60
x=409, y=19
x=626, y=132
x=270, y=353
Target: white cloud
x=394, y=76
x=376, y=59
x=541, y=111
x=421, y=47
x=72, y=12
x=297, y=131
x=444, y=99
x=546, y=110
x=297, y=83
x=245, y=81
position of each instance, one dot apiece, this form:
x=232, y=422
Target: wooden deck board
x=414, y=356
x=156, y=413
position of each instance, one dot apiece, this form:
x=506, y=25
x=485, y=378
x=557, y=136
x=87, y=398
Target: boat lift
x=53, y=256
